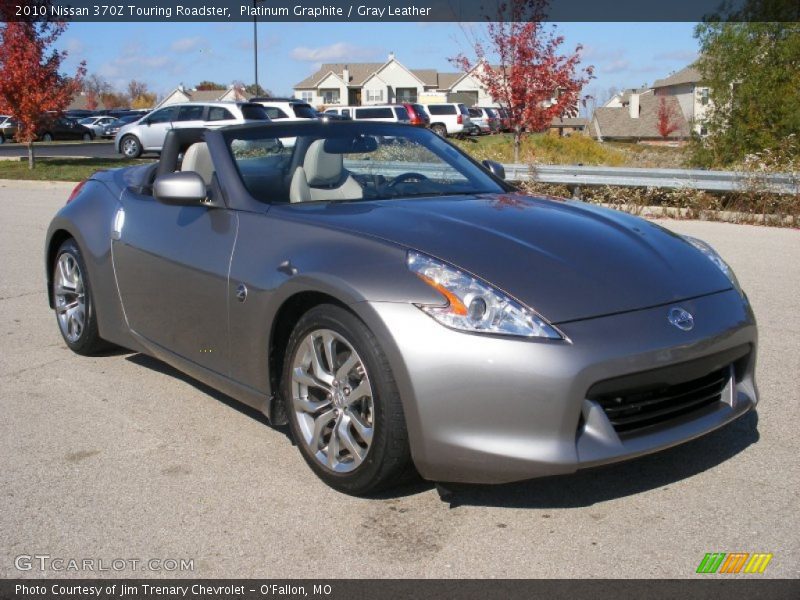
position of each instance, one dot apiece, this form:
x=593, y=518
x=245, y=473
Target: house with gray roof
x=632, y=114
x=692, y=94
x=183, y=94
x=636, y=119
x=387, y=82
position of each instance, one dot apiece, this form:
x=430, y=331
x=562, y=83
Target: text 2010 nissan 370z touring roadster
x=401, y=306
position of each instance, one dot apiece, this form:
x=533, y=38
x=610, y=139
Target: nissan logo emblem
x=681, y=318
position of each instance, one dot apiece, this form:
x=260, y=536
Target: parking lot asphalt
x=120, y=456
x=96, y=149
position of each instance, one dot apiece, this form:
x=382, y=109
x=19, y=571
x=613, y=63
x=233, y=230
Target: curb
x=33, y=184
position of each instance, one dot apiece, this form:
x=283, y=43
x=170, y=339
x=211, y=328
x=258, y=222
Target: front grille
x=632, y=408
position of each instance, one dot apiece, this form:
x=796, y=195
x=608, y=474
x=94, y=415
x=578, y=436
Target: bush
x=684, y=203
x=544, y=149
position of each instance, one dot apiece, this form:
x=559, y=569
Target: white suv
x=448, y=118
x=148, y=133
x=286, y=109
x=389, y=113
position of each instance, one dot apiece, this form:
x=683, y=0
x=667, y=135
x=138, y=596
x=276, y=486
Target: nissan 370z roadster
x=401, y=306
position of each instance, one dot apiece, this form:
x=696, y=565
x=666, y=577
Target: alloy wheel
x=70, y=297
x=332, y=400
x=130, y=147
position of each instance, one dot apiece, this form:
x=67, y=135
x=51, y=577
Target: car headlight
x=715, y=258
x=474, y=305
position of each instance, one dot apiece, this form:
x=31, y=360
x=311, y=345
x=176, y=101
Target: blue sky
x=166, y=54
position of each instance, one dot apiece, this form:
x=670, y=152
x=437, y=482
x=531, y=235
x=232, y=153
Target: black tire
x=388, y=459
x=88, y=137
x=2, y=139
x=439, y=129
x=47, y=137
x=89, y=341
x=130, y=146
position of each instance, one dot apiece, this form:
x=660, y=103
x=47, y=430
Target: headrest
x=322, y=168
x=198, y=159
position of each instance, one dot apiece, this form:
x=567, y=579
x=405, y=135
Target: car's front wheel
x=343, y=405
x=74, y=304
x=131, y=147
x=47, y=137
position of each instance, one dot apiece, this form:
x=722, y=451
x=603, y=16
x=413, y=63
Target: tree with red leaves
x=32, y=89
x=91, y=101
x=666, y=118
x=523, y=69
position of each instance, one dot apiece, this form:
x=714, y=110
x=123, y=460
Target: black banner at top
x=396, y=10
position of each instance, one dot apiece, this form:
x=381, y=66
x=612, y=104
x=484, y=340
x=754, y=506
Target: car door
x=154, y=128
x=189, y=116
x=171, y=264
x=219, y=116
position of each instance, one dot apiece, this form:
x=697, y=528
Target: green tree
x=753, y=72
x=210, y=85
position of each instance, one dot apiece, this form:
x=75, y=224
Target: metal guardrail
x=578, y=176
x=716, y=181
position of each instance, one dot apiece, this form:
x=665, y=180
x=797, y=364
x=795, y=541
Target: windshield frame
x=322, y=129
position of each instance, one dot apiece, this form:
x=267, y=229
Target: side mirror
x=495, y=168
x=185, y=188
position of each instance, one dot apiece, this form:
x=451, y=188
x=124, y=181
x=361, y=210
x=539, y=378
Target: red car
x=417, y=114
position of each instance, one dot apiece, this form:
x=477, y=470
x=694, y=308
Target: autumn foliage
x=522, y=67
x=32, y=88
x=666, y=121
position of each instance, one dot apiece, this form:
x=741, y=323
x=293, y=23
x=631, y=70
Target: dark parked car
x=63, y=128
x=400, y=306
x=112, y=128
x=8, y=128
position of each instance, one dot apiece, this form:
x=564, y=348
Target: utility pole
x=255, y=46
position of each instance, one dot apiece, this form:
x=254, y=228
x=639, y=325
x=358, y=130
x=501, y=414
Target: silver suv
x=148, y=133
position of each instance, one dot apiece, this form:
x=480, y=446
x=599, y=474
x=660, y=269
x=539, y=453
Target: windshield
x=87, y=120
x=348, y=161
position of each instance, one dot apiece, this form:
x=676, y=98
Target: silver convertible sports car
x=401, y=306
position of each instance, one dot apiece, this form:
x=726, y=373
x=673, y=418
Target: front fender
x=89, y=219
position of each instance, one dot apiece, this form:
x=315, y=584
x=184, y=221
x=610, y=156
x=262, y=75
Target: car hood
x=567, y=260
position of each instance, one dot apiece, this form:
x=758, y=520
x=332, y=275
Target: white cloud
x=590, y=52
x=615, y=66
x=74, y=46
x=187, y=44
x=333, y=52
x=686, y=56
x=131, y=62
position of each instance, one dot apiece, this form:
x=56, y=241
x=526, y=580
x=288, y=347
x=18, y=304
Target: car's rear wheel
x=47, y=137
x=74, y=304
x=2, y=139
x=87, y=137
x=130, y=146
x=343, y=405
x=439, y=129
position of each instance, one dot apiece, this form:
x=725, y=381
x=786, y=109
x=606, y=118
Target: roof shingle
x=616, y=122
x=686, y=75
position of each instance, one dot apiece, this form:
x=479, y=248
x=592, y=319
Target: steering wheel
x=410, y=176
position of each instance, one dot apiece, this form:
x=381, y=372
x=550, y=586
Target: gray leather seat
x=198, y=159
x=323, y=177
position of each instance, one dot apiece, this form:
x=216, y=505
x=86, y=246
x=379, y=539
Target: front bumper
x=486, y=409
